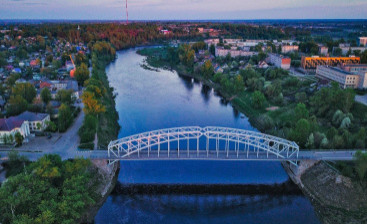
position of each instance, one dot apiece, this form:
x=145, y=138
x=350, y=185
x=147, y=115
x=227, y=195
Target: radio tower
x=127, y=14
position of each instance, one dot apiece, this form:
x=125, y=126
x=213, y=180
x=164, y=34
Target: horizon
x=193, y=10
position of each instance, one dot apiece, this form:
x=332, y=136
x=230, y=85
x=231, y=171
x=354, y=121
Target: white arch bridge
x=208, y=143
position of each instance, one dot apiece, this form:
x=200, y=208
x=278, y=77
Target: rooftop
x=337, y=70
x=30, y=116
x=8, y=124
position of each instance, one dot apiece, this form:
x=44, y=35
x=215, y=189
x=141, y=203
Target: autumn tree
x=207, y=69
x=91, y=104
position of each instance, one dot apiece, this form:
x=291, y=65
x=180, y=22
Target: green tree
x=361, y=165
x=46, y=95
x=65, y=96
x=25, y=90
x=238, y=84
x=81, y=74
x=301, y=132
x=64, y=117
x=300, y=112
x=258, y=99
x=17, y=105
x=18, y=138
x=212, y=49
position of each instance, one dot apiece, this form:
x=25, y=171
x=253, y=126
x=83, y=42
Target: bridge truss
x=193, y=142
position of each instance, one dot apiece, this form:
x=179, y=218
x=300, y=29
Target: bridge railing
x=237, y=144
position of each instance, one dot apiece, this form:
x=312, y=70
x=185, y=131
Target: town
x=109, y=117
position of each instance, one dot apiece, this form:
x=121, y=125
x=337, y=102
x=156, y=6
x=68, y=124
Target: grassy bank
x=99, y=101
x=275, y=102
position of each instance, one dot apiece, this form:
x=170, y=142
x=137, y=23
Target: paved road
x=64, y=144
x=362, y=99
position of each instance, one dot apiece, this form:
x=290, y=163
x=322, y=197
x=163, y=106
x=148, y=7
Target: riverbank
x=101, y=118
x=337, y=199
x=275, y=102
x=107, y=178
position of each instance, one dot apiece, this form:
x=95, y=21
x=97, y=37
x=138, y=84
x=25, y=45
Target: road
x=339, y=155
x=64, y=144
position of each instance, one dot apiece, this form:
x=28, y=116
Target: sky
x=183, y=9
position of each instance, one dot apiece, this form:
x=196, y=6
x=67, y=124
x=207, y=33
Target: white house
x=10, y=126
x=37, y=121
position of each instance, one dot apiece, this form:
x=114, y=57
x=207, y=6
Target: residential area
x=41, y=86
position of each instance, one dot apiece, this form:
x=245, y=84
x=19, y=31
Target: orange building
x=311, y=63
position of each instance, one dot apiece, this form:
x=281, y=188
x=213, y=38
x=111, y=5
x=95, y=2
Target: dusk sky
x=183, y=9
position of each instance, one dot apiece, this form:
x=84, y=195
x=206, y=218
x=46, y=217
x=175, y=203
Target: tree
x=361, y=165
x=212, y=49
x=91, y=104
x=238, y=84
x=51, y=126
x=301, y=132
x=17, y=105
x=207, y=69
x=81, y=74
x=46, y=95
x=65, y=96
x=26, y=90
x=18, y=138
x=301, y=97
x=258, y=99
x=186, y=55
x=64, y=117
x=300, y=112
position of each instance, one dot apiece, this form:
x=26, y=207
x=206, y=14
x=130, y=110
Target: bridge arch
x=238, y=144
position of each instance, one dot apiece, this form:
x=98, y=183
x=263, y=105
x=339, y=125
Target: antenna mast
x=127, y=14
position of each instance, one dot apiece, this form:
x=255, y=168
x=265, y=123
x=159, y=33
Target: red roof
x=45, y=84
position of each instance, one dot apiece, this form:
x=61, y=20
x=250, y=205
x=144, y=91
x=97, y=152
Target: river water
x=149, y=100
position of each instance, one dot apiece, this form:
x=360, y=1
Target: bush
x=88, y=145
x=265, y=123
x=258, y=99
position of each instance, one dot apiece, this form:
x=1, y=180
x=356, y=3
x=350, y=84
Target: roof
x=30, y=116
x=336, y=69
x=8, y=124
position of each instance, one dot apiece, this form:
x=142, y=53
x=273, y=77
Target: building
x=289, y=48
x=262, y=64
x=212, y=42
x=279, y=61
x=10, y=126
x=310, y=63
x=323, y=50
x=37, y=121
x=363, y=41
x=344, y=78
x=221, y=52
x=355, y=69
x=69, y=66
x=351, y=49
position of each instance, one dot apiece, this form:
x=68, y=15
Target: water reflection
x=149, y=100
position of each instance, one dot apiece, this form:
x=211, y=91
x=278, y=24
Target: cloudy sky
x=183, y=9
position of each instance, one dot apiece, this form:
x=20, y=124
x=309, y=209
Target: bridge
x=197, y=143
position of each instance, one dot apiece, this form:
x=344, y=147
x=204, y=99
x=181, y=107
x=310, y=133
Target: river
x=149, y=100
